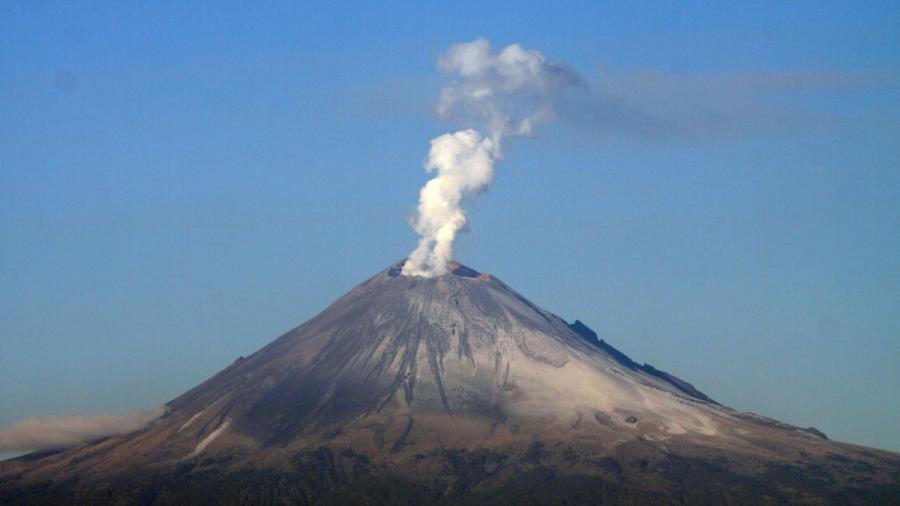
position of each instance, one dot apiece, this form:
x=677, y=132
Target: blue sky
x=179, y=185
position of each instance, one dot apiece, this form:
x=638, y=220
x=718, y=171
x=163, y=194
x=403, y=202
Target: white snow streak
x=190, y=421
x=210, y=438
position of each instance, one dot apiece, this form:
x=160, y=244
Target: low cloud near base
x=55, y=432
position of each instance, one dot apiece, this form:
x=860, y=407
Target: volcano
x=452, y=389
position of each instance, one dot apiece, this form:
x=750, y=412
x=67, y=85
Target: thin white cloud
x=55, y=432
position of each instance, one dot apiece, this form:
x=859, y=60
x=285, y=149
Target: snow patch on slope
x=190, y=421
x=210, y=438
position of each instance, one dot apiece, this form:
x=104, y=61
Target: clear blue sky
x=180, y=185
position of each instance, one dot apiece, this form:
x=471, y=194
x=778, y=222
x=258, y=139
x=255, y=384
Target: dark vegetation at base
x=465, y=477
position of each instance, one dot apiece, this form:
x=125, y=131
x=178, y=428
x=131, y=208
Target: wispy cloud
x=654, y=105
x=54, y=432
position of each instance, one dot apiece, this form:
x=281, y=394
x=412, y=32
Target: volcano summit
x=451, y=389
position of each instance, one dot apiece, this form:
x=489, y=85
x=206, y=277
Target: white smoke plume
x=504, y=93
x=56, y=432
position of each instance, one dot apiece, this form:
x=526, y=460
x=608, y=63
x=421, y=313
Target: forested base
x=481, y=477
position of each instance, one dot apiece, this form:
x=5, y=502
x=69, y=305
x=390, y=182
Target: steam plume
x=504, y=93
x=54, y=432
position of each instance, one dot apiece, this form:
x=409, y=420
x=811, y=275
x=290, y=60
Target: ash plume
x=56, y=432
x=505, y=94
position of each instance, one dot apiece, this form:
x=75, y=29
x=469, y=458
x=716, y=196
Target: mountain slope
x=453, y=389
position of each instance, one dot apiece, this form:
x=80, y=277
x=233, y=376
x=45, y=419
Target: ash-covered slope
x=453, y=389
